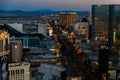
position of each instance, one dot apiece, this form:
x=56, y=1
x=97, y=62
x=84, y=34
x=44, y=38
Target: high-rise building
x=19, y=71
x=106, y=22
x=4, y=51
x=15, y=51
x=67, y=18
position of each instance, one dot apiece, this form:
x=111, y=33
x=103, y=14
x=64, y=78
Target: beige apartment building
x=67, y=18
x=19, y=71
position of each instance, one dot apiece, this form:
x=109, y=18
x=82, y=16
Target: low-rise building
x=19, y=71
x=51, y=71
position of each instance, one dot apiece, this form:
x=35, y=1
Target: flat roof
x=68, y=12
x=18, y=64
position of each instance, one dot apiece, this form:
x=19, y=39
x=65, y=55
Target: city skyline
x=29, y=5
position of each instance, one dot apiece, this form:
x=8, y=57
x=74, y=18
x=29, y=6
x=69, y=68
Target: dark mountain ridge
x=37, y=12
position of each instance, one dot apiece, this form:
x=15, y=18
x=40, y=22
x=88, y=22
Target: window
x=1, y=45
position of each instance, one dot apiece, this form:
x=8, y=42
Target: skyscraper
x=15, y=51
x=67, y=18
x=4, y=51
x=106, y=22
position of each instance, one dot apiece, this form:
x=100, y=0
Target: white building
x=19, y=71
x=17, y=26
x=42, y=28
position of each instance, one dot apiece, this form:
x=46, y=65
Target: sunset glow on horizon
x=52, y=4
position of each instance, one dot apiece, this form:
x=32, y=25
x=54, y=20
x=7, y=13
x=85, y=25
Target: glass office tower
x=106, y=23
x=117, y=22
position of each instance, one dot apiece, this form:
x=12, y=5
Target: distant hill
x=37, y=12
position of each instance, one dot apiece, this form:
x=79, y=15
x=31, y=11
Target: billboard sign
x=83, y=30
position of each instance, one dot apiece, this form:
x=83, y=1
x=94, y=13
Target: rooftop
x=19, y=64
x=68, y=13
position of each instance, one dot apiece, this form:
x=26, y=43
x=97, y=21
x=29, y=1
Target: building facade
x=54, y=71
x=15, y=51
x=4, y=51
x=19, y=71
x=106, y=22
x=67, y=18
x=42, y=28
x=30, y=27
x=82, y=30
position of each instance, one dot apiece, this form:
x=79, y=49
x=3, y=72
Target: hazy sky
x=52, y=4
